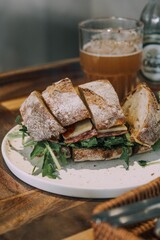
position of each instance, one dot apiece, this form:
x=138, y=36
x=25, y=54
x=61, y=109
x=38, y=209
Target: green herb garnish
x=112, y=141
x=38, y=150
x=144, y=163
x=53, y=154
x=156, y=146
x=126, y=152
x=53, y=157
x=89, y=143
x=55, y=160
x=23, y=128
x=48, y=168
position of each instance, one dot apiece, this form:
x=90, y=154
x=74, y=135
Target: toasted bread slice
x=37, y=118
x=103, y=103
x=64, y=102
x=96, y=154
x=99, y=154
x=143, y=115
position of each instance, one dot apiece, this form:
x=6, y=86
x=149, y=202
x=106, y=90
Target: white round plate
x=100, y=179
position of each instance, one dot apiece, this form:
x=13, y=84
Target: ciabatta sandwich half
x=70, y=111
x=143, y=115
x=103, y=104
x=40, y=123
x=108, y=119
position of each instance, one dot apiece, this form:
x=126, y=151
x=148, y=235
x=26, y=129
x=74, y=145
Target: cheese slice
x=113, y=129
x=79, y=128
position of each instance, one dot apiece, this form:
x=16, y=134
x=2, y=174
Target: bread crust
x=96, y=154
x=103, y=103
x=64, y=102
x=144, y=120
x=99, y=154
x=40, y=123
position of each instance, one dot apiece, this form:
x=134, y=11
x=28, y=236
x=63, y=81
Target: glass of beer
x=111, y=48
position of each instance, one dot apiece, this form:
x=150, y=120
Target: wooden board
x=20, y=203
x=20, y=83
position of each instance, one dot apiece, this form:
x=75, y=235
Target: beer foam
x=114, y=43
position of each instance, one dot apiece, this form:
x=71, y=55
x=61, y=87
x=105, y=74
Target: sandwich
x=90, y=122
x=69, y=110
x=108, y=119
x=142, y=114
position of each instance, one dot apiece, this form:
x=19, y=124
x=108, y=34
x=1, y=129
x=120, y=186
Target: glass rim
x=82, y=24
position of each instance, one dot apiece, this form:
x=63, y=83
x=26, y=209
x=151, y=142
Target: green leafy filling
x=109, y=143
x=156, y=146
x=55, y=155
x=105, y=142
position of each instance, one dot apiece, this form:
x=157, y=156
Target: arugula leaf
x=60, y=152
x=125, y=156
x=29, y=143
x=48, y=168
x=112, y=141
x=74, y=145
x=89, y=143
x=52, y=154
x=127, y=140
x=38, y=150
x=63, y=157
x=55, y=160
x=55, y=146
x=142, y=163
x=156, y=146
x=23, y=128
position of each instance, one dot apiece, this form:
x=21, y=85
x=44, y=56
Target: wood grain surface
x=20, y=83
x=20, y=203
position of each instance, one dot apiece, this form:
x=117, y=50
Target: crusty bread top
x=143, y=115
x=64, y=102
x=103, y=103
x=39, y=121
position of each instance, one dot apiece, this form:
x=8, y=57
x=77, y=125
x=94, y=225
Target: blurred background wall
x=34, y=32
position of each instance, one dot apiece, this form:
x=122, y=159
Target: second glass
x=111, y=48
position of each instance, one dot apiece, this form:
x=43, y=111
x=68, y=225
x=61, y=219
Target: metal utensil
x=131, y=213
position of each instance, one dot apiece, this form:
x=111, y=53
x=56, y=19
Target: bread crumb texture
x=40, y=123
x=64, y=102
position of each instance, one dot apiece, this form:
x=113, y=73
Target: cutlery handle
x=135, y=218
x=114, y=213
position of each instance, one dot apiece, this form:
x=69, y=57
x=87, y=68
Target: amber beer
x=111, y=48
x=120, y=70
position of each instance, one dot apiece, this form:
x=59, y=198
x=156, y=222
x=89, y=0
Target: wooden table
x=26, y=212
